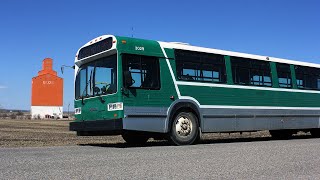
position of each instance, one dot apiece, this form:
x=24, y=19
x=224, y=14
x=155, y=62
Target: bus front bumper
x=99, y=127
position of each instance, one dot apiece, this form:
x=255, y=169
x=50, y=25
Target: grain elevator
x=47, y=93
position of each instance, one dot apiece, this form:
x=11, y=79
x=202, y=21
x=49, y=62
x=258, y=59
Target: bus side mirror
x=128, y=81
x=62, y=68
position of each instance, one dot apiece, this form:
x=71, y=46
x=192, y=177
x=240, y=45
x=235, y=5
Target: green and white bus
x=145, y=89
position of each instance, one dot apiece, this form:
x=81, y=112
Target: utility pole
x=68, y=111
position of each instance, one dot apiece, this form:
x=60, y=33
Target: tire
x=281, y=134
x=135, y=138
x=184, y=129
x=81, y=133
x=315, y=133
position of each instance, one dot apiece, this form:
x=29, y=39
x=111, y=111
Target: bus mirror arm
x=62, y=68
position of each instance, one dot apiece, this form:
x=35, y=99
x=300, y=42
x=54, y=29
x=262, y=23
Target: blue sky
x=33, y=30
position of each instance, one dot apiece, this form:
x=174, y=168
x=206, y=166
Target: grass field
x=37, y=133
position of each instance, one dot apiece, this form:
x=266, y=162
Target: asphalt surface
x=240, y=159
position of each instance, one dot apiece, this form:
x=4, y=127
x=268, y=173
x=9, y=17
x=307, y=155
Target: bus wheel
x=184, y=129
x=315, y=133
x=135, y=138
x=281, y=134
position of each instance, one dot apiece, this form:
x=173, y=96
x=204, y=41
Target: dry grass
x=36, y=133
x=30, y=133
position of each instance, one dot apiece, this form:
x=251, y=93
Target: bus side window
x=200, y=67
x=307, y=77
x=284, y=75
x=251, y=72
x=144, y=72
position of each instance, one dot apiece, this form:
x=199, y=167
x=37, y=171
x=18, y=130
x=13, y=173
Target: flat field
x=37, y=133
x=33, y=133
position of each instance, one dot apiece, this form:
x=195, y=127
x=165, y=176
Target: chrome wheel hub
x=183, y=127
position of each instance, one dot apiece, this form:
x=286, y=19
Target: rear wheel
x=135, y=138
x=184, y=129
x=315, y=133
x=281, y=134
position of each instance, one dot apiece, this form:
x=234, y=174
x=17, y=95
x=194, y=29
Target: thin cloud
x=3, y=87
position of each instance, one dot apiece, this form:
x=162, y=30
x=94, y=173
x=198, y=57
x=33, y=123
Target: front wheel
x=184, y=129
x=135, y=138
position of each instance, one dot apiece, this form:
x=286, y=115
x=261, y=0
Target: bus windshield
x=97, y=78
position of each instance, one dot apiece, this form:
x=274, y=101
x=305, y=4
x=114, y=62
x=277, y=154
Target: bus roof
x=185, y=46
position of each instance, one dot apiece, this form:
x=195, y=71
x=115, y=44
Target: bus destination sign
x=95, y=48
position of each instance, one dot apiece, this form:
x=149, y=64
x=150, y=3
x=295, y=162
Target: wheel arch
x=186, y=105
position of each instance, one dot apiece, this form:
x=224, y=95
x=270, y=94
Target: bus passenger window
x=307, y=77
x=144, y=72
x=200, y=67
x=284, y=75
x=251, y=72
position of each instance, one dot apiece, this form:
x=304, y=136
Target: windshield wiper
x=82, y=95
x=101, y=99
x=85, y=89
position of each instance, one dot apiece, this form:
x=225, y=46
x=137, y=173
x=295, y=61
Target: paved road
x=235, y=159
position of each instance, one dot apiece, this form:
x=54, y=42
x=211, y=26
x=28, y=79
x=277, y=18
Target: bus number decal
x=139, y=48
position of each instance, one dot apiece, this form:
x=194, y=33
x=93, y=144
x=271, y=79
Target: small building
x=47, y=93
